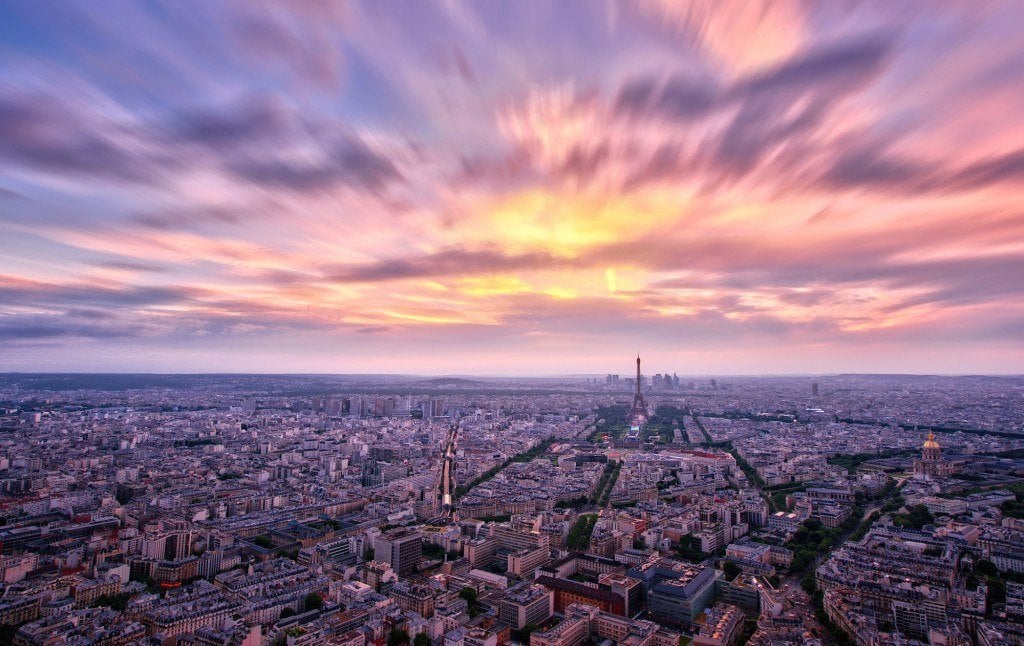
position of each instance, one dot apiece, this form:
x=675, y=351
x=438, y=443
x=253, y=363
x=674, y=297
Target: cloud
x=40, y=133
x=503, y=170
x=738, y=37
x=331, y=175
x=833, y=70
x=679, y=98
x=191, y=217
x=16, y=329
x=125, y=265
x=667, y=161
x=582, y=163
x=22, y=293
x=693, y=126
x=870, y=165
x=261, y=121
x=373, y=329
x=302, y=39
x=448, y=262
x=348, y=162
x=838, y=66
x=759, y=125
x=986, y=172
x=876, y=167
x=801, y=278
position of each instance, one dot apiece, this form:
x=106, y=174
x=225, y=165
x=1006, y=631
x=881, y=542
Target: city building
x=402, y=549
x=527, y=604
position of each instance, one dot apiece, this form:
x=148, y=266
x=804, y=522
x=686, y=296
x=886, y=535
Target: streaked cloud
x=524, y=187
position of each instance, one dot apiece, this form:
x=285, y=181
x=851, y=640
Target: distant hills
x=451, y=381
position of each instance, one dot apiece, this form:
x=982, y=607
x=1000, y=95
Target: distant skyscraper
x=814, y=389
x=433, y=408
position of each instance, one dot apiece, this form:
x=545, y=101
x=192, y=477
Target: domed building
x=931, y=464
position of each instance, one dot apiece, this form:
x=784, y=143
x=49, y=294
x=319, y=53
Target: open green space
x=665, y=420
x=611, y=421
x=607, y=483
x=853, y=461
x=579, y=536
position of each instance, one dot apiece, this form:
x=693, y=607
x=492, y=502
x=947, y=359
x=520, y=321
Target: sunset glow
x=514, y=187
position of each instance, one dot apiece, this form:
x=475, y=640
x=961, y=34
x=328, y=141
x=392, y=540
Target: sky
x=726, y=187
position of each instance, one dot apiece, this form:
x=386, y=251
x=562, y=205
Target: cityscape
x=656, y=510
x=511, y=323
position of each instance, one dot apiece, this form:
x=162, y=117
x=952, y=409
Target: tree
x=421, y=640
x=523, y=634
x=689, y=548
x=986, y=567
x=287, y=612
x=263, y=541
x=433, y=551
x=579, y=535
x=915, y=517
x=731, y=570
x=996, y=592
x=809, y=583
x=368, y=554
x=313, y=601
x=397, y=637
x=469, y=594
x=115, y=602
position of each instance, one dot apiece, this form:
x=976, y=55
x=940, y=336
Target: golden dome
x=930, y=443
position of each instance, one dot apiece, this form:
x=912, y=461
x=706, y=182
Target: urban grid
x=642, y=510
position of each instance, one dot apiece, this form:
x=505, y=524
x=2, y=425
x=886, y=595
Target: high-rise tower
x=638, y=414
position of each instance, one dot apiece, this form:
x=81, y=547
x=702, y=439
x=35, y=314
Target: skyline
x=512, y=188
x=524, y=376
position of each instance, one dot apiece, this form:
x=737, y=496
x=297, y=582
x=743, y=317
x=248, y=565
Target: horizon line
x=581, y=375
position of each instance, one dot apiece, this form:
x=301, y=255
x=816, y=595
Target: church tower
x=931, y=451
x=931, y=464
